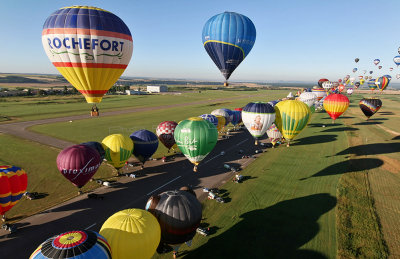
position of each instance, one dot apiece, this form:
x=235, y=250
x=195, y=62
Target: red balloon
x=78, y=164
x=165, y=133
x=13, y=183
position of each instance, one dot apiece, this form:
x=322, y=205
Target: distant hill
x=19, y=79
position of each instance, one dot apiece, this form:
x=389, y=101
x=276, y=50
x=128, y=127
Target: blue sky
x=296, y=40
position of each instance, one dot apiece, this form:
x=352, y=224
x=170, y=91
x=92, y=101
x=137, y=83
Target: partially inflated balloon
x=258, y=117
x=274, y=134
x=292, y=116
x=145, y=144
x=13, y=183
x=118, y=149
x=89, y=46
x=165, y=133
x=78, y=163
x=335, y=105
x=196, y=138
x=228, y=38
x=132, y=233
x=82, y=244
x=369, y=106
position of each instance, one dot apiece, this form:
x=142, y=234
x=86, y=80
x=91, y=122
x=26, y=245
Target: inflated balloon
x=356, y=60
x=396, y=60
x=13, y=183
x=78, y=163
x=339, y=80
x=258, y=117
x=222, y=112
x=327, y=85
x=274, y=134
x=382, y=82
x=132, y=233
x=349, y=91
x=165, y=133
x=397, y=76
x=89, y=46
x=230, y=113
x=221, y=122
x=379, y=67
x=239, y=110
x=196, y=138
x=357, y=85
x=370, y=72
x=335, y=105
x=292, y=116
x=362, y=81
x=376, y=61
x=118, y=149
x=179, y=214
x=145, y=144
x=341, y=88
x=74, y=244
x=321, y=81
x=398, y=50
x=364, y=71
x=96, y=146
x=371, y=84
x=211, y=118
x=237, y=117
x=319, y=92
x=370, y=77
x=308, y=98
x=228, y=38
x=335, y=84
x=391, y=68
x=355, y=70
x=389, y=77
x=369, y=106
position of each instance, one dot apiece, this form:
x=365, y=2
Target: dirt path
x=20, y=129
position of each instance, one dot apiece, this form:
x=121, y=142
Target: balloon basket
x=195, y=169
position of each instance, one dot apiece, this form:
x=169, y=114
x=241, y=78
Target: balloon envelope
x=369, y=106
x=308, y=98
x=382, y=82
x=321, y=81
x=319, y=92
x=274, y=134
x=89, y=46
x=145, y=144
x=228, y=38
x=258, y=117
x=165, y=133
x=78, y=163
x=335, y=105
x=224, y=113
x=376, y=61
x=13, y=184
x=132, y=233
x=118, y=149
x=96, y=146
x=211, y=118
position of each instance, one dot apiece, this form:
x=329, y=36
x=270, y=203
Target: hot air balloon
x=382, y=82
x=391, y=68
x=369, y=106
x=319, y=92
x=376, y=61
x=132, y=233
x=335, y=105
x=228, y=38
x=379, y=67
x=364, y=71
x=222, y=112
x=308, y=98
x=292, y=116
x=396, y=60
x=370, y=72
x=96, y=146
x=179, y=214
x=349, y=91
x=389, y=77
x=362, y=81
x=237, y=118
x=13, y=184
x=321, y=81
x=211, y=118
x=356, y=60
x=356, y=84
x=118, y=149
x=371, y=84
x=196, y=138
x=145, y=144
x=370, y=77
x=89, y=46
x=398, y=50
x=221, y=122
x=335, y=84
x=78, y=163
x=355, y=70
x=341, y=88
x=397, y=76
x=258, y=117
x=74, y=244
x=274, y=135
x=339, y=80
x=230, y=113
x=327, y=85
x=165, y=133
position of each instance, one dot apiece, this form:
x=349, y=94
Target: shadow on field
x=371, y=149
x=315, y=140
x=341, y=117
x=320, y=125
x=369, y=122
x=340, y=129
x=386, y=113
x=273, y=232
x=396, y=138
x=348, y=166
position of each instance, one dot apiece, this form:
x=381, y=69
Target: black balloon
x=369, y=106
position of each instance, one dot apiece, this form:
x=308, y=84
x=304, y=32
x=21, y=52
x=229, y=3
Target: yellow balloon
x=292, y=116
x=132, y=233
x=118, y=148
x=221, y=122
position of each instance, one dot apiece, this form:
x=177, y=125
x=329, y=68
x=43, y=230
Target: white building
x=157, y=88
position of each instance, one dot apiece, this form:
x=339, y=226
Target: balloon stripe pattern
x=382, y=82
x=335, y=105
x=369, y=106
x=89, y=46
x=13, y=184
x=118, y=148
x=228, y=38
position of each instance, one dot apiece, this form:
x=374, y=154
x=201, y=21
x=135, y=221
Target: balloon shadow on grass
x=340, y=129
x=348, y=166
x=371, y=149
x=278, y=231
x=396, y=138
x=369, y=122
x=315, y=140
x=320, y=125
x=386, y=113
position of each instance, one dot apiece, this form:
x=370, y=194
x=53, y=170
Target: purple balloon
x=78, y=164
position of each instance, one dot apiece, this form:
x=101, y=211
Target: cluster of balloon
x=292, y=116
x=89, y=46
x=228, y=38
x=118, y=148
x=274, y=135
x=196, y=138
x=308, y=98
x=335, y=105
x=132, y=233
x=257, y=118
x=179, y=214
x=369, y=106
x=13, y=184
x=382, y=82
x=145, y=144
x=74, y=244
x=78, y=163
x=165, y=133
x=319, y=92
x=321, y=81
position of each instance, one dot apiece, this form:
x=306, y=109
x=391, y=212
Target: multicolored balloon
x=371, y=84
x=228, y=38
x=89, y=46
x=327, y=85
x=13, y=184
x=78, y=163
x=165, y=133
x=396, y=60
x=274, y=135
x=350, y=91
x=369, y=106
x=132, y=233
x=196, y=138
x=321, y=81
x=382, y=82
x=376, y=61
x=145, y=144
x=224, y=113
x=335, y=105
x=118, y=149
x=319, y=92
x=258, y=117
x=80, y=244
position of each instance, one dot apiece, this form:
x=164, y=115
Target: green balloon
x=196, y=138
